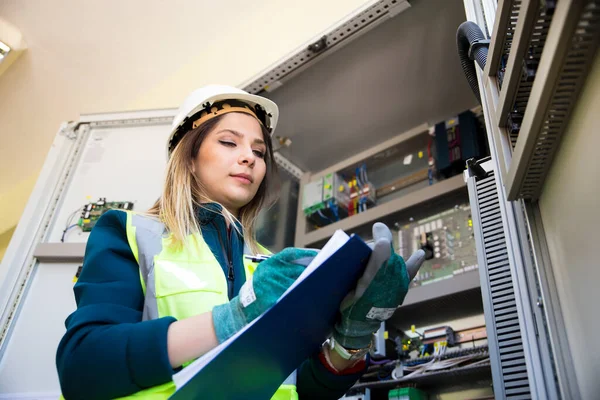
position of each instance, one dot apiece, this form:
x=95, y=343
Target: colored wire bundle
x=68, y=225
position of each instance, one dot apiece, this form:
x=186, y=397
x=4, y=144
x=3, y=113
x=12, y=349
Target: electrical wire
x=68, y=225
x=438, y=364
x=430, y=162
x=381, y=362
x=386, y=377
x=480, y=362
x=364, y=173
x=366, y=185
x=62, y=239
x=327, y=219
x=429, y=148
x=358, y=181
x=447, y=359
x=361, y=182
x=334, y=208
x=70, y=218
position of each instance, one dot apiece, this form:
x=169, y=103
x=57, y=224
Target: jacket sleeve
x=315, y=381
x=107, y=351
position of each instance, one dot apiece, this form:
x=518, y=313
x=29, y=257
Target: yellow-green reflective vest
x=180, y=283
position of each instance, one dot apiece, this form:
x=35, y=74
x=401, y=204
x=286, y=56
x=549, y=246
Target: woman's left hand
x=259, y=293
x=378, y=293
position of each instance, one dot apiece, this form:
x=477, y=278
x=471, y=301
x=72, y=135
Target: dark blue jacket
x=108, y=351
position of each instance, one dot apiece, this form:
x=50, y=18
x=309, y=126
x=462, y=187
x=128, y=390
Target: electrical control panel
x=93, y=211
x=312, y=197
x=447, y=239
x=456, y=140
x=326, y=200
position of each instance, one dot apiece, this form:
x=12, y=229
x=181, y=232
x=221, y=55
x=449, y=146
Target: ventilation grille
x=512, y=377
x=369, y=17
x=529, y=64
x=580, y=54
x=508, y=38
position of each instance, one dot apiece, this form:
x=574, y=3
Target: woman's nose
x=247, y=156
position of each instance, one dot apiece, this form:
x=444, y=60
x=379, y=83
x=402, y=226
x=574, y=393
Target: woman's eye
x=259, y=154
x=225, y=143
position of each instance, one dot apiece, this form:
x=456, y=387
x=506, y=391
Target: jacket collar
x=209, y=212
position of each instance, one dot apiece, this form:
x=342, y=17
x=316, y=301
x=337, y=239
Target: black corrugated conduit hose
x=472, y=46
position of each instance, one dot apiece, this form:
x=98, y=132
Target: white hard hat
x=204, y=102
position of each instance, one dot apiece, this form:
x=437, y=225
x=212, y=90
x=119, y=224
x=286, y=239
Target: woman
x=159, y=289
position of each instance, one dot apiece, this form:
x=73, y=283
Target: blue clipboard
x=256, y=363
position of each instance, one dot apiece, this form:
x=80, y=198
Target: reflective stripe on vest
x=180, y=282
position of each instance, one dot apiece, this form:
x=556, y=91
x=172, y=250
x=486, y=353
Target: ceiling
x=399, y=75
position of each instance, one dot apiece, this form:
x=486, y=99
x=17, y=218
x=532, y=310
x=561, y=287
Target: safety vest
x=179, y=283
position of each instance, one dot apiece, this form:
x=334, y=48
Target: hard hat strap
x=220, y=109
x=211, y=111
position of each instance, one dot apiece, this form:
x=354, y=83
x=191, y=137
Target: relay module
x=448, y=241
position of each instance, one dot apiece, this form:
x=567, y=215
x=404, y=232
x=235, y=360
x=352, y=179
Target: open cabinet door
x=533, y=92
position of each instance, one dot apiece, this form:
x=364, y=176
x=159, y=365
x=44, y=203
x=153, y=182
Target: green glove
x=378, y=293
x=270, y=280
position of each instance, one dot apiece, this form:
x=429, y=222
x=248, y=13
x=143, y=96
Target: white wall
x=571, y=217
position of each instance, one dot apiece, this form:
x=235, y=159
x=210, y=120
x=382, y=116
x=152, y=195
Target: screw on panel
x=540, y=302
x=68, y=129
x=318, y=46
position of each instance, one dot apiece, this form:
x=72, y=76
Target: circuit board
x=448, y=241
x=93, y=211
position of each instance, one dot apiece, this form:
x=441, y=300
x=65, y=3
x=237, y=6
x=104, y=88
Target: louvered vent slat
x=508, y=38
x=516, y=391
x=499, y=294
x=582, y=48
x=528, y=66
x=521, y=397
x=553, y=71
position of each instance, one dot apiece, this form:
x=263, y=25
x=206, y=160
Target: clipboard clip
x=257, y=258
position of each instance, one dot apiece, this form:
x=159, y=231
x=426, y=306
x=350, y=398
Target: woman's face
x=231, y=161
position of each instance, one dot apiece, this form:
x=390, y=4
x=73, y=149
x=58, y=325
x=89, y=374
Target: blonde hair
x=183, y=193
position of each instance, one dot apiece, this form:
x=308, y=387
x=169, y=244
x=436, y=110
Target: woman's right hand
x=270, y=280
x=378, y=293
